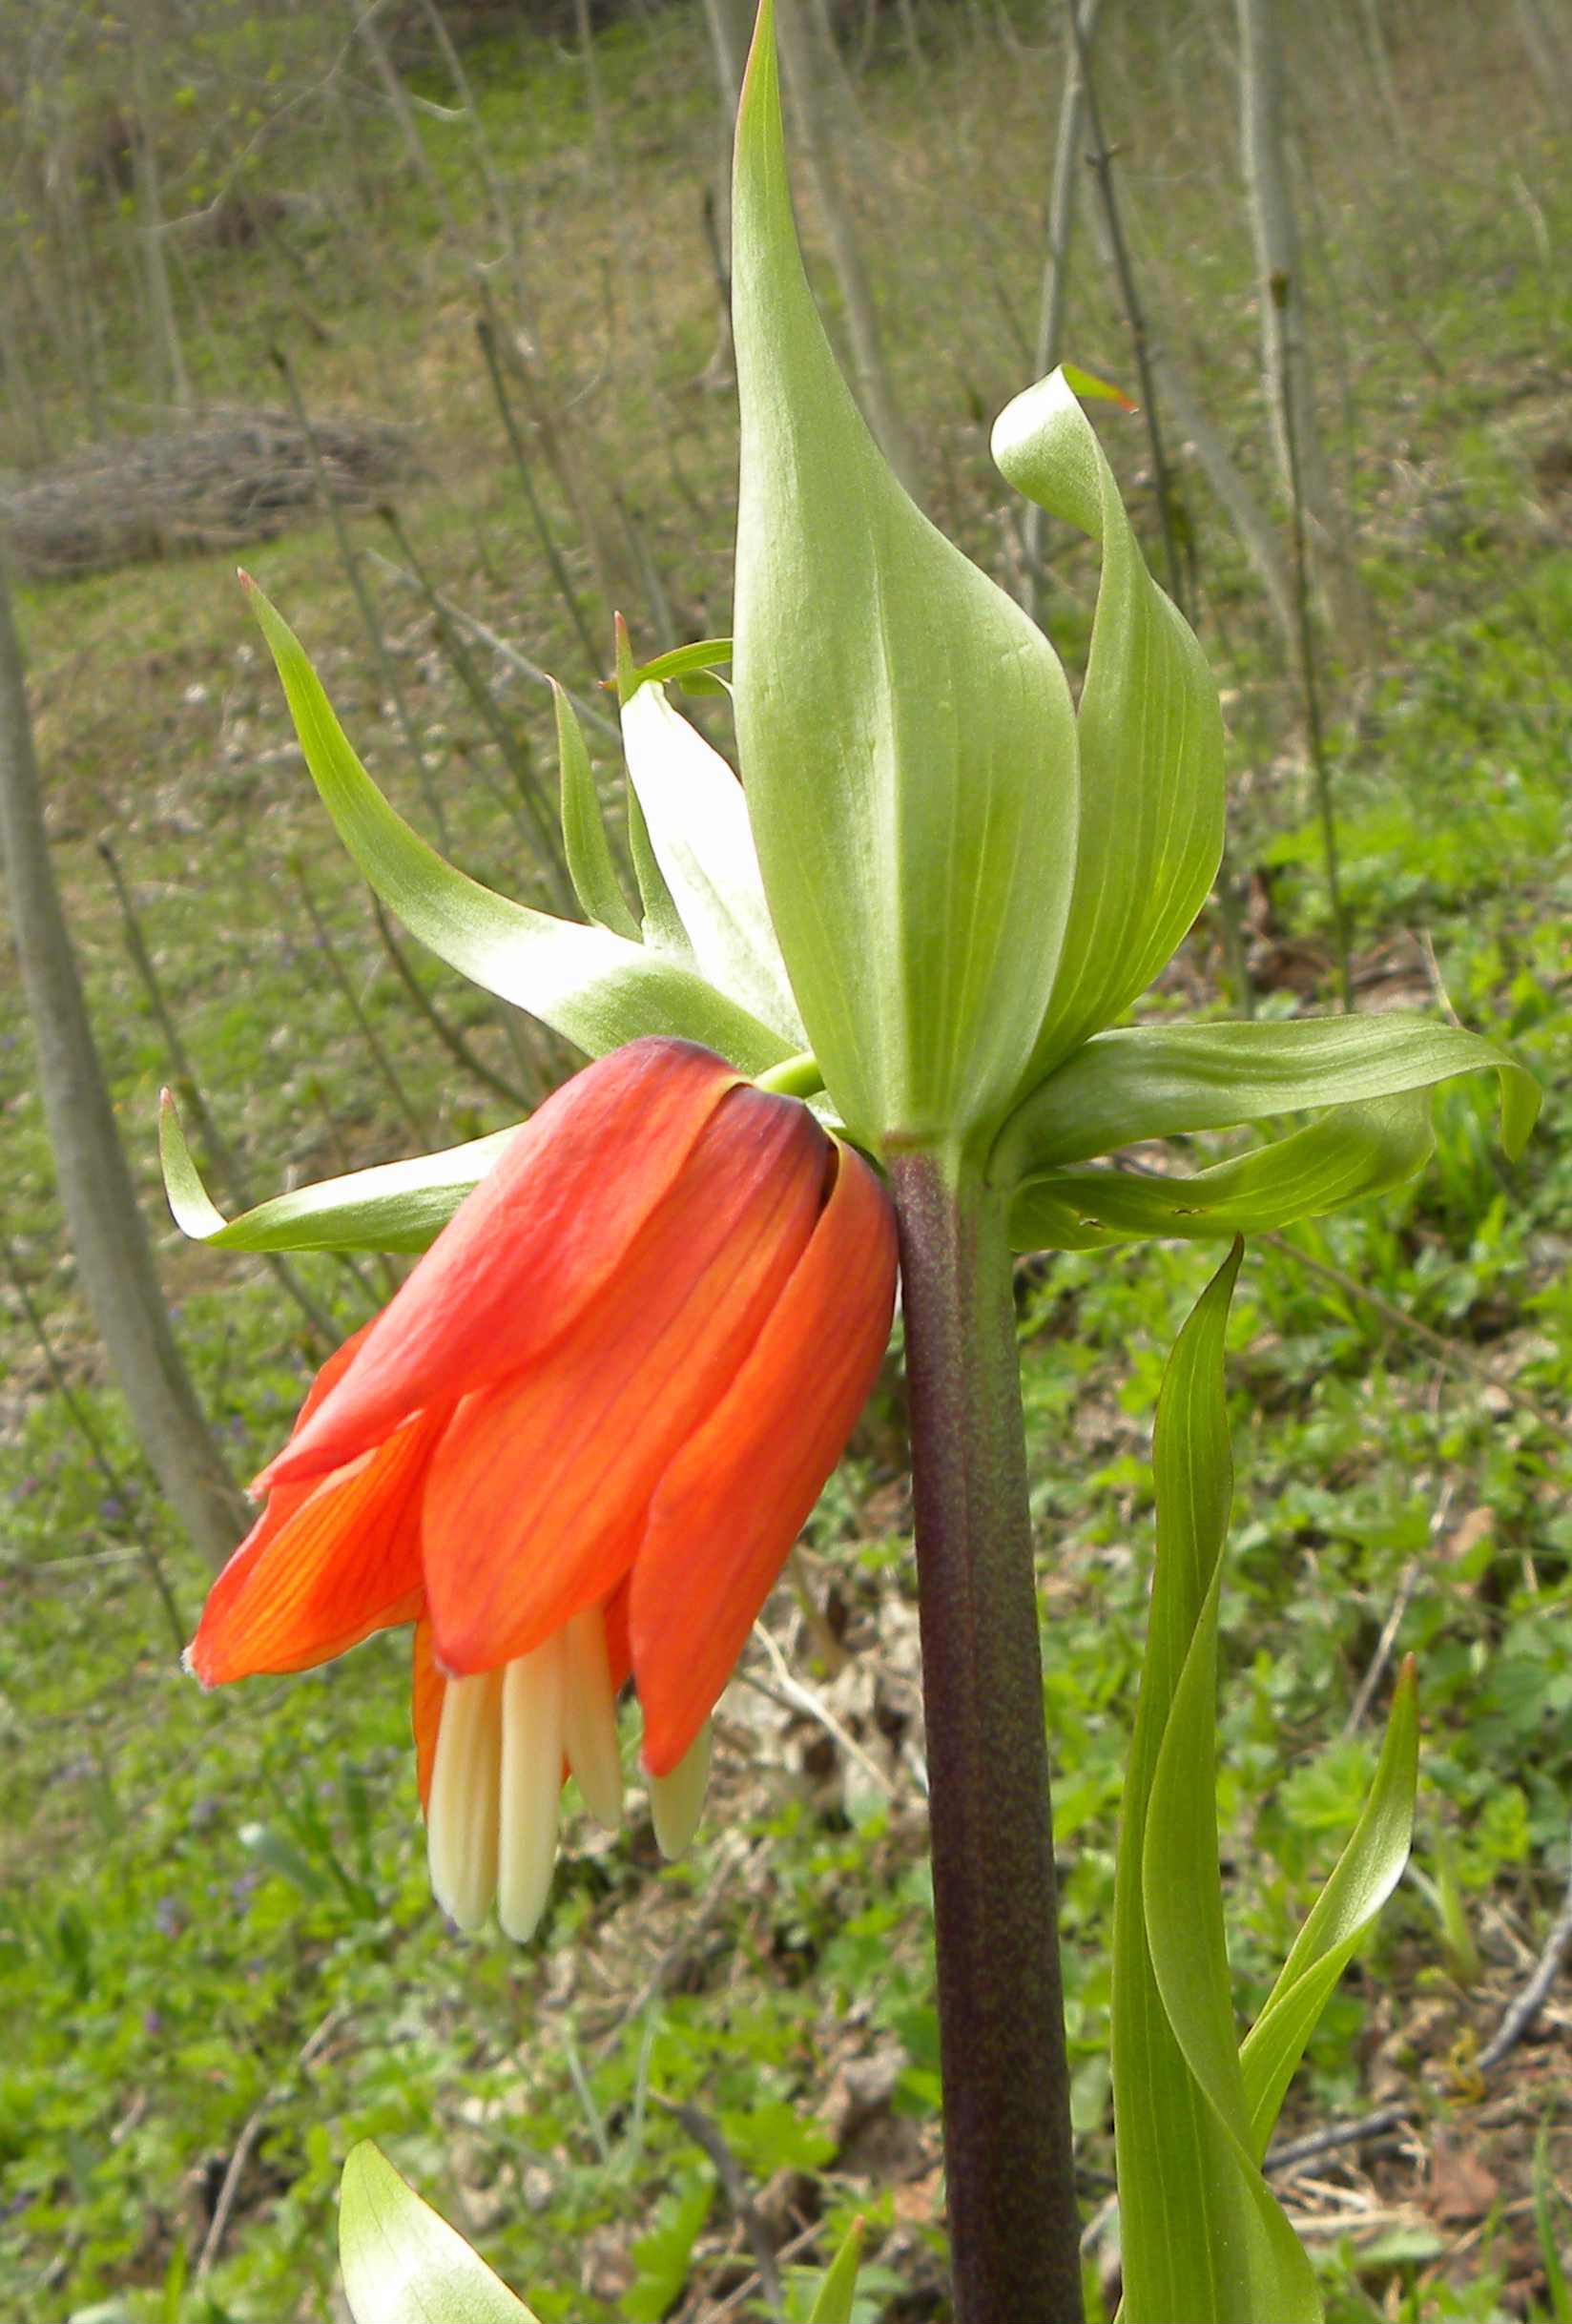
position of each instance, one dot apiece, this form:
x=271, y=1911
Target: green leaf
x=395, y=1206
x=697, y=823
x=401, y=2263
x=1364, y=1877
x=591, y=985
x=1548, y=2199
x=836, y=2295
x=906, y=734
x=1091, y=389
x=664, y=2256
x=1156, y=1081
x=1150, y=736
x=1202, y=2237
x=690, y=666
x=588, y=853
x=1349, y=1153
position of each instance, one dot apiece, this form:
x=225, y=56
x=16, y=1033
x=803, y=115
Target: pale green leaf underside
x=697, y=823
x=394, y=1206
x=1162, y=1081
x=1150, y=737
x=594, y=988
x=401, y=2263
x=1351, y=1152
x=1201, y=2235
x=906, y=735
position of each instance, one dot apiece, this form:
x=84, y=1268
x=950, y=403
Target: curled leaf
x=1159, y=1081
x=1150, y=734
x=1349, y=1153
x=394, y=1206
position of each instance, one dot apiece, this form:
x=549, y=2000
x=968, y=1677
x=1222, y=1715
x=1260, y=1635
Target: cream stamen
x=462, y=1812
x=589, y=1719
x=533, y=1692
x=677, y=1801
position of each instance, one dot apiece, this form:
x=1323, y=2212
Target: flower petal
x=427, y=1689
x=527, y=1251
x=327, y=1562
x=537, y=1495
x=733, y=1502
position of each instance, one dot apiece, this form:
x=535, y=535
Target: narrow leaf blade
x=1201, y=2235
x=589, y=851
x=837, y=2295
x=593, y=986
x=691, y=667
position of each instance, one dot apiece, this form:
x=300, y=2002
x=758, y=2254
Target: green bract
x=906, y=735
x=1150, y=733
x=697, y=826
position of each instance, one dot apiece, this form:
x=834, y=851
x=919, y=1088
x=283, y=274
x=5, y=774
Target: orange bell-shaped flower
x=577, y=1445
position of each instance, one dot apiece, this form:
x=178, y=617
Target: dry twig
x=1532, y=1998
x=708, y=2136
x=251, y=2131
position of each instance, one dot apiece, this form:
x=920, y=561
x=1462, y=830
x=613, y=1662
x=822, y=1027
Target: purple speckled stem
x=1014, y=2225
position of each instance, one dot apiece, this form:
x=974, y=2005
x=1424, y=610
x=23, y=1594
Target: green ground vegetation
x=220, y=1960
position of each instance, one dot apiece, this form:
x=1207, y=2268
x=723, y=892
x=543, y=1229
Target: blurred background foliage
x=420, y=309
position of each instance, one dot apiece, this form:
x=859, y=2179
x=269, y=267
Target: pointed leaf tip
x=627, y=673
x=402, y=2262
x=1149, y=727
x=835, y=2299
x=190, y=1205
x=1363, y=1877
x=906, y=734
x=591, y=985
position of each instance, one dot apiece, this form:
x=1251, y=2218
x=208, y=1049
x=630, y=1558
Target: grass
x=215, y=1924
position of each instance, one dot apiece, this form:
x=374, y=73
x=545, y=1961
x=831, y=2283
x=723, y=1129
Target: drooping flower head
x=576, y=1447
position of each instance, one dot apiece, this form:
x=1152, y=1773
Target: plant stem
x=1014, y=2226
